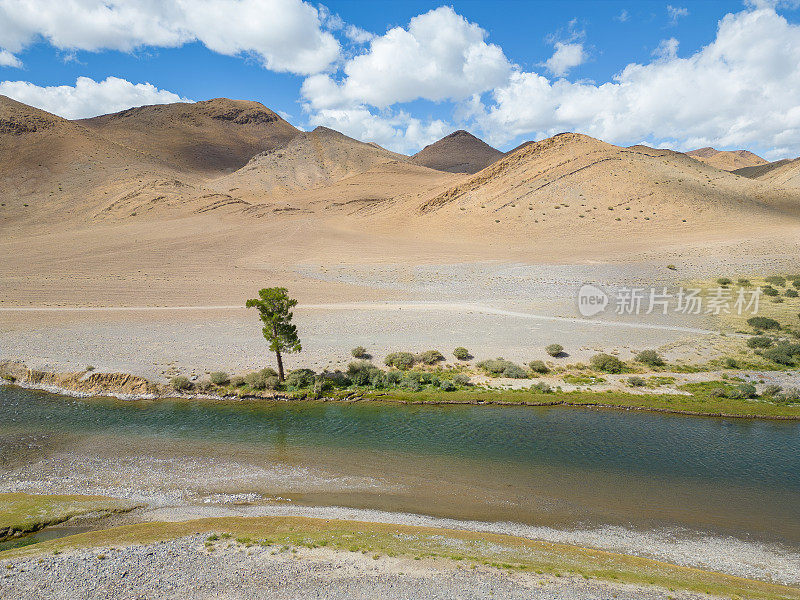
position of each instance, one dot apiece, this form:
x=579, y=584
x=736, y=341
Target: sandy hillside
x=726, y=160
x=779, y=174
x=459, y=152
x=575, y=184
x=211, y=137
x=322, y=156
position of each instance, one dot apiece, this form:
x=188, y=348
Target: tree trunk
x=280, y=366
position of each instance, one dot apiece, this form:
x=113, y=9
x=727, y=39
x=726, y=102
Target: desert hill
x=779, y=174
x=577, y=183
x=212, y=137
x=727, y=160
x=459, y=152
x=311, y=159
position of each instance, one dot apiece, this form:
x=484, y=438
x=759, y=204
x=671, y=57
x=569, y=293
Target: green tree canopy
x=275, y=310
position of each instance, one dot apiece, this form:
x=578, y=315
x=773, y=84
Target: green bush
x=393, y=378
x=775, y=280
x=461, y=353
x=538, y=366
x=778, y=355
x=360, y=372
x=411, y=383
x=730, y=363
x=742, y=392
x=763, y=323
x=759, y=341
x=498, y=367
x=554, y=349
x=724, y=281
x=606, y=363
x=265, y=379
x=541, y=388
x=430, y=357
x=401, y=360
x=768, y=290
x=650, y=358
x=359, y=352
x=461, y=379
x=790, y=293
x=300, y=378
x=636, y=381
x=796, y=283
x=219, y=378
x=180, y=383
x=771, y=390
x=515, y=372
x=791, y=393
x=237, y=381
x=447, y=386
x=743, y=282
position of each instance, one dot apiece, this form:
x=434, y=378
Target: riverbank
x=288, y=557
x=700, y=401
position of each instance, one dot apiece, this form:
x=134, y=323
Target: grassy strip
x=21, y=514
x=695, y=404
x=501, y=551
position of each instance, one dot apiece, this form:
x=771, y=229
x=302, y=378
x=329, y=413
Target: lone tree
x=275, y=310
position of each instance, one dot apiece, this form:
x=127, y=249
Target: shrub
x=771, y=390
x=377, y=378
x=636, y=381
x=89, y=368
x=554, y=349
x=672, y=267
x=264, y=379
x=759, y=341
x=515, y=372
x=763, y=323
x=410, y=383
x=724, y=281
x=742, y=392
x=359, y=352
x=650, y=358
x=791, y=393
x=790, y=293
x=606, y=363
x=498, y=366
x=447, y=386
x=401, y=360
x=360, y=372
x=730, y=363
x=538, y=366
x=180, y=383
x=775, y=280
x=768, y=290
x=300, y=378
x=237, y=381
x=430, y=357
x=743, y=282
x=541, y=388
x=219, y=378
x=393, y=378
x=461, y=379
x=796, y=283
x=461, y=353
x=778, y=355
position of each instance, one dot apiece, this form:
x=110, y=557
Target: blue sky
x=678, y=74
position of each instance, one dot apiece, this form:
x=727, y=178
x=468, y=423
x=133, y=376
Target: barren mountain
x=309, y=160
x=212, y=137
x=727, y=160
x=578, y=184
x=779, y=174
x=459, y=152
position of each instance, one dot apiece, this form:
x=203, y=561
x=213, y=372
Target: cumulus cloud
x=566, y=57
x=667, y=49
x=285, y=35
x=742, y=89
x=87, y=98
x=358, y=35
x=440, y=56
x=9, y=60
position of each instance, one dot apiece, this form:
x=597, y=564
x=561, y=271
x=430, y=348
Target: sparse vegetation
x=430, y=357
x=180, y=383
x=359, y=352
x=636, y=381
x=763, y=323
x=651, y=358
x=554, y=350
x=400, y=360
x=461, y=353
x=606, y=363
x=499, y=367
x=538, y=366
x=219, y=378
x=759, y=341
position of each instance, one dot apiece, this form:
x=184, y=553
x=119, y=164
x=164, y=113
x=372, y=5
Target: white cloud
x=676, y=12
x=286, y=35
x=566, y=57
x=9, y=60
x=742, y=89
x=396, y=131
x=87, y=98
x=667, y=49
x=440, y=56
x=623, y=16
x=358, y=35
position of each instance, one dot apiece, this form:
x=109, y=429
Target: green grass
x=469, y=548
x=26, y=513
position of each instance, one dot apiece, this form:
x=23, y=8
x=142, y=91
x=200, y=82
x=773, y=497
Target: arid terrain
x=191, y=208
